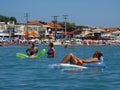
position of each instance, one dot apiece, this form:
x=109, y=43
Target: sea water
x=36, y=74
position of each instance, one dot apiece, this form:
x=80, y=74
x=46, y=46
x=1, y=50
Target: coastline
x=70, y=43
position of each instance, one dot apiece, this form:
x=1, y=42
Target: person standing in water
x=51, y=50
x=33, y=50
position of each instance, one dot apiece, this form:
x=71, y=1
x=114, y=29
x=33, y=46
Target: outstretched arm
x=91, y=60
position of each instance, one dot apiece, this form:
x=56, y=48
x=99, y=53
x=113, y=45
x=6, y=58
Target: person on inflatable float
x=32, y=54
x=32, y=49
x=74, y=60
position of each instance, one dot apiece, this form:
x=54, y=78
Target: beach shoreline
x=61, y=43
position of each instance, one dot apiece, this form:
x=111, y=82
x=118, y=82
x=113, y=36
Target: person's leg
x=66, y=58
x=69, y=58
x=75, y=60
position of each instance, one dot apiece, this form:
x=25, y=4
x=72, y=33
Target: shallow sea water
x=36, y=74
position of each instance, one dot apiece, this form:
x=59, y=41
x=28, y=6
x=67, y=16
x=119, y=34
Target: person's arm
x=36, y=50
x=54, y=52
x=27, y=51
x=91, y=60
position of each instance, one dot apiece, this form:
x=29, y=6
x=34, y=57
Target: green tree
x=7, y=19
x=69, y=26
x=13, y=19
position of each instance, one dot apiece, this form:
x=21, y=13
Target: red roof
x=52, y=25
x=112, y=29
x=35, y=22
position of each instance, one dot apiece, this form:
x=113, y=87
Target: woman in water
x=74, y=60
x=51, y=51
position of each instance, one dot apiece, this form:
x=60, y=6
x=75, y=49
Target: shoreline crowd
x=75, y=42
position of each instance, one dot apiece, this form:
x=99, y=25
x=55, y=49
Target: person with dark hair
x=32, y=54
x=74, y=60
x=33, y=48
x=51, y=51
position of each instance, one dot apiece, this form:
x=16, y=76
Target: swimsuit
x=79, y=62
x=50, y=52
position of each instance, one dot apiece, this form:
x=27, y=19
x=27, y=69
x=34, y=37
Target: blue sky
x=82, y=12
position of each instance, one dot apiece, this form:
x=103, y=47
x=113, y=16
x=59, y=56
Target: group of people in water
x=33, y=50
x=72, y=59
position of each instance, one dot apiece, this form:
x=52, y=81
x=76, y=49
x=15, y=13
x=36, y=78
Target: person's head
x=51, y=44
x=33, y=44
x=31, y=52
x=97, y=54
x=66, y=45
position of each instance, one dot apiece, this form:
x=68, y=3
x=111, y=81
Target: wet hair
x=97, y=54
x=33, y=44
x=51, y=44
x=31, y=52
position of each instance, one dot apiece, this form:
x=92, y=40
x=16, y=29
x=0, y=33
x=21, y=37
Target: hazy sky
x=82, y=12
